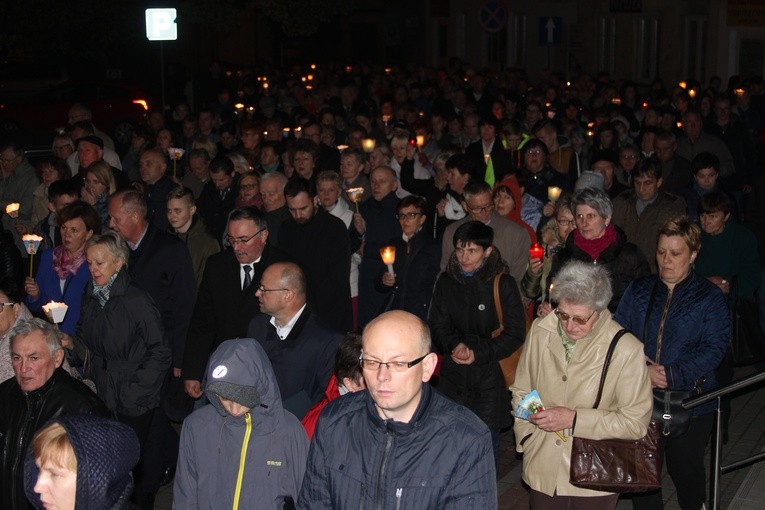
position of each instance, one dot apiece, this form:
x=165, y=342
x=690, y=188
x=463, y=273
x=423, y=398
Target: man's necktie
x=247, y=277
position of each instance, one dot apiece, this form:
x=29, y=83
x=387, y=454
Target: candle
x=175, y=154
x=420, y=141
x=55, y=311
x=355, y=195
x=486, y=158
x=386, y=119
x=298, y=132
x=537, y=252
x=31, y=243
x=286, y=132
x=341, y=148
x=553, y=193
x=388, y=254
x=692, y=93
x=368, y=144
x=13, y=209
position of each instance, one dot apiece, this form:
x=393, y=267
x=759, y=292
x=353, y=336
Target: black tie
x=247, y=277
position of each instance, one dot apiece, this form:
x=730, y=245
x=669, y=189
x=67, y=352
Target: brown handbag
x=616, y=465
x=509, y=364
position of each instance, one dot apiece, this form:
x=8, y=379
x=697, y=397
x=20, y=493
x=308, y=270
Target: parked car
x=117, y=107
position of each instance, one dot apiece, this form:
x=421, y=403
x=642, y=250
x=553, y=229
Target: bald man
x=400, y=444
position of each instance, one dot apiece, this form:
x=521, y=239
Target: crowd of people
x=215, y=269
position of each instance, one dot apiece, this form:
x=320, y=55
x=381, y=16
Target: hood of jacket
x=243, y=366
x=106, y=452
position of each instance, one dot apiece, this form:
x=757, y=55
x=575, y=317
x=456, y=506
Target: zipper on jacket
x=383, y=465
x=399, y=491
x=242, y=458
x=660, y=333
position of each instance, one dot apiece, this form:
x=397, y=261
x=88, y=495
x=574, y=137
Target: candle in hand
x=537, y=252
x=420, y=141
x=31, y=243
x=553, y=193
x=13, y=209
x=388, y=254
x=55, y=311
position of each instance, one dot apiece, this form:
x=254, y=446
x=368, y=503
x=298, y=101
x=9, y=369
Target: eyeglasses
x=263, y=290
x=393, y=366
x=482, y=208
x=7, y=160
x=233, y=241
x=3, y=305
x=564, y=222
x=534, y=152
x=408, y=216
x=564, y=317
x=247, y=187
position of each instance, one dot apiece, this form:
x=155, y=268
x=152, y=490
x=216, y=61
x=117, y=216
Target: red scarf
x=594, y=247
x=66, y=265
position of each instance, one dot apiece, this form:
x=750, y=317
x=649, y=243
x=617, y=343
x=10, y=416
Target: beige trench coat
x=625, y=408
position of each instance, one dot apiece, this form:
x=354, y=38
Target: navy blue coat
x=303, y=362
x=696, y=330
x=441, y=459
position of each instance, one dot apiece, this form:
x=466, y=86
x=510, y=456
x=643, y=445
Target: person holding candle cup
x=63, y=271
x=416, y=265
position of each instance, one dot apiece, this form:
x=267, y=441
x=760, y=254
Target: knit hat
x=106, y=452
x=589, y=179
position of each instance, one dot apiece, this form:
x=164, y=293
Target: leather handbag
x=616, y=465
x=669, y=413
x=508, y=365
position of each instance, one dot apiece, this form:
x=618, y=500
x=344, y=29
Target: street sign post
x=550, y=30
x=161, y=26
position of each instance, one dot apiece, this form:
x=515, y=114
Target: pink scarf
x=64, y=264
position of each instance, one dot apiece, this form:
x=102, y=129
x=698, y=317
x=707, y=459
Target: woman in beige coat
x=562, y=359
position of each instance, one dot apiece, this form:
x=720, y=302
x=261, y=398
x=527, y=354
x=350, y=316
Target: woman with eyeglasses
x=562, y=360
x=12, y=310
x=63, y=271
x=416, y=266
x=683, y=321
x=596, y=240
x=463, y=320
x=536, y=281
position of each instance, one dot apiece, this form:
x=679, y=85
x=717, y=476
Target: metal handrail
x=716, y=470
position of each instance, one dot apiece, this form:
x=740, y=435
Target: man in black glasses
x=300, y=345
x=400, y=444
x=226, y=299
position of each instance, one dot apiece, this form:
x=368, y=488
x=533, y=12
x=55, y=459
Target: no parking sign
x=492, y=16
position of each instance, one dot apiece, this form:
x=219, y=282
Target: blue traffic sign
x=550, y=30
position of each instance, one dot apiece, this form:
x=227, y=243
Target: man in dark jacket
x=299, y=344
x=157, y=185
x=226, y=301
x=41, y=390
x=218, y=196
x=642, y=211
x=160, y=265
x=400, y=444
x=319, y=243
x=375, y=226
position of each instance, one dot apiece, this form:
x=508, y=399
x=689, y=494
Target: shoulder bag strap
x=606, y=363
x=498, y=307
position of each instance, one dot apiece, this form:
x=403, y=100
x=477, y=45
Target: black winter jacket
x=416, y=269
x=130, y=352
x=22, y=414
x=441, y=459
x=463, y=311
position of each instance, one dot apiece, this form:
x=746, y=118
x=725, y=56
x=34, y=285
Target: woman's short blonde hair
x=51, y=444
x=103, y=173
